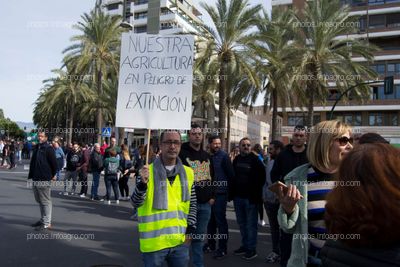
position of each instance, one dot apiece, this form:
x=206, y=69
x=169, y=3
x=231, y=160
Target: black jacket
x=249, y=178
x=96, y=162
x=43, y=165
x=287, y=161
x=337, y=254
x=74, y=160
x=200, y=162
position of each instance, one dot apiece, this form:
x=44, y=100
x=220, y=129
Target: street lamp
x=388, y=85
x=125, y=24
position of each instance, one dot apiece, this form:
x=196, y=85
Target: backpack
x=112, y=167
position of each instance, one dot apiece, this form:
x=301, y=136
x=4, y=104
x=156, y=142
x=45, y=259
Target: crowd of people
x=329, y=184
x=12, y=152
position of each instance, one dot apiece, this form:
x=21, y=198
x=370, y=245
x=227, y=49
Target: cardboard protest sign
x=155, y=81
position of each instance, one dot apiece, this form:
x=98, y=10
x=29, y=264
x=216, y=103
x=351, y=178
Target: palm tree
x=228, y=44
x=61, y=94
x=96, y=51
x=204, y=87
x=321, y=53
x=274, y=47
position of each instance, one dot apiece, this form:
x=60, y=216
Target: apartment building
x=379, y=23
x=174, y=16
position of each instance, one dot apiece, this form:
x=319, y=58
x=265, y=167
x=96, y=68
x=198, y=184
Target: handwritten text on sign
x=155, y=82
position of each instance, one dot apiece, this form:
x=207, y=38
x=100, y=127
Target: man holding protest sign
x=155, y=92
x=166, y=202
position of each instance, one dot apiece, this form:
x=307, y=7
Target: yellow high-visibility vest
x=160, y=229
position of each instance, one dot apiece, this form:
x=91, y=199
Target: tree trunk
x=71, y=123
x=274, y=132
x=121, y=135
x=228, y=128
x=99, y=116
x=222, y=103
x=310, y=114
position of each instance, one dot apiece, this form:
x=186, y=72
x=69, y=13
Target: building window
x=294, y=120
x=354, y=119
x=376, y=2
x=377, y=21
x=391, y=69
x=301, y=119
x=141, y=15
x=383, y=119
x=140, y=29
x=375, y=119
x=393, y=20
x=113, y=6
x=141, y=2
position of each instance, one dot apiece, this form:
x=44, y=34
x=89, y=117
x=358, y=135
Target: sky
x=34, y=34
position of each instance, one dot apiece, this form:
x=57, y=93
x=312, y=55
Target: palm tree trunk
x=99, y=116
x=310, y=114
x=121, y=135
x=222, y=103
x=228, y=132
x=71, y=123
x=274, y=114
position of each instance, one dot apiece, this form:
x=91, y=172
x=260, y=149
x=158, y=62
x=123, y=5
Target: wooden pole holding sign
x=148, y=146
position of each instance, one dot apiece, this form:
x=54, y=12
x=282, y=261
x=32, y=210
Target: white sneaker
x=65, y=193
x=108, y=202
x=83, y=195
x=117, y=202
x=261, y=222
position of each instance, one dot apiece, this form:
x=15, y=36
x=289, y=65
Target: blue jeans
x=111, y=181
x=246, y=216
x=218, y=221
x=203, y=216
x=176, y=257
x=95, y=185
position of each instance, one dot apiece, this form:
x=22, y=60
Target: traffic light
x=388, y=85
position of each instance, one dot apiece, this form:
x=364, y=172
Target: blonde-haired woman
x=303, y=205
x=126, y=167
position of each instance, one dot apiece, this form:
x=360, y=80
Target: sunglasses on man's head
x=246, y=145
x=344, y=140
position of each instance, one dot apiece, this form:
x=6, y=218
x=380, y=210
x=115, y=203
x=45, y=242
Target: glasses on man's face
x=170, y=143
x=246, y=145
x=344, y=140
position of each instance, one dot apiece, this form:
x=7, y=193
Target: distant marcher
x=83, y=170
x=223, y=173
x=12, y=151
x=74, y=158
x=42, y=171
x=96, y=166
x=126, y=165
x=271, y=203
x=60, y=156
x=111, y=169
x=247, y=197
x=103, y=148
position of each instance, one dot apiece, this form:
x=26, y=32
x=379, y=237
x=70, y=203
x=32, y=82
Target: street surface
x=85, y=233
